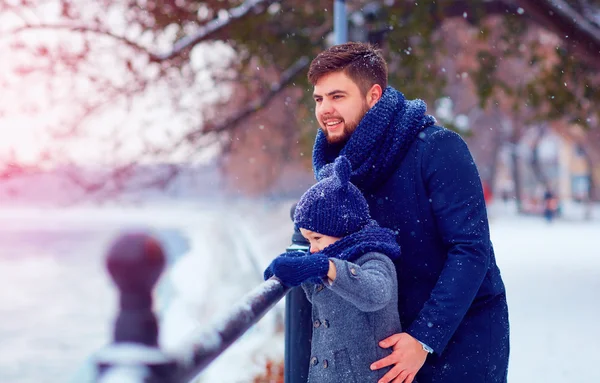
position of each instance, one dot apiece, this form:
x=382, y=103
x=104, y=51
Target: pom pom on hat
x=333, y=206
x=343, y=170
x=326, y=171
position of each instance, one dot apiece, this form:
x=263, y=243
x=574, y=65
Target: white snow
x=58, y=303
x=552, y=277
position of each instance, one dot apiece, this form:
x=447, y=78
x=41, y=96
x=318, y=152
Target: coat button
x=314, y=361
x=316, y=323
x=319, y=288
x=326, y=323
x=325, y=363
x=353, y=271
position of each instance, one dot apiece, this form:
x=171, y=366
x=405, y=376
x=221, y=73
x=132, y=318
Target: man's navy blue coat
x=450, y=292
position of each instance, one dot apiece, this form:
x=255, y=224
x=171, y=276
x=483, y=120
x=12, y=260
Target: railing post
x=135, y=262
x=298, y=323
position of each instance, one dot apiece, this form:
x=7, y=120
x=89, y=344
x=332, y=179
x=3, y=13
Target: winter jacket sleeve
x=456, y=199
x=308, y=290
x=368, y=284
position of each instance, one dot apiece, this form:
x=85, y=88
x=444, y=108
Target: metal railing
x=135, y=262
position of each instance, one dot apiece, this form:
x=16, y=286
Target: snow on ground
x=243, y=242
x=552, y=277
x=58, y=303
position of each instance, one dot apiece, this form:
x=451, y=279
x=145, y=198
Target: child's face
x=318, y=241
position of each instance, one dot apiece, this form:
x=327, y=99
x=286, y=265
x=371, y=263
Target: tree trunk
x=498, y=143
x=536, y=167
x=516, y=174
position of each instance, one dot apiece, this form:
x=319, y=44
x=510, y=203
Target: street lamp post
x=340, y=22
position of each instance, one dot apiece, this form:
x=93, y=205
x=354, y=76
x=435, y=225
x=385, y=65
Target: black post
x=135, y=262
x=298, y=323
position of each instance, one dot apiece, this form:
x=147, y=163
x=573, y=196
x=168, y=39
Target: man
x=420, y=181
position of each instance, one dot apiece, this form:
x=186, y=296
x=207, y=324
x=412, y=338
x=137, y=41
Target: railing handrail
x=135, y=262
x=213, y=341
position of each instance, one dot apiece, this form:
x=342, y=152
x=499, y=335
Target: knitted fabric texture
x=333, y=206
x=292, y=271
x=371, y=238
x=268, y=273
x=294, y=268
x=380, y=141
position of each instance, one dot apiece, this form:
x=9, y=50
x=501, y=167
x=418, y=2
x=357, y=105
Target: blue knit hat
x=333, y=206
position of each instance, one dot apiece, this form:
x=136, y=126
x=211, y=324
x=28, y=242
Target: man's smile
x=333, y=124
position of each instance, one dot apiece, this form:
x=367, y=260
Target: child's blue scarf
x=371, y=238
x=380, y=141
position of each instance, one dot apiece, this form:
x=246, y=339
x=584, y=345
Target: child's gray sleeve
x=370, y=284
x=308, y=290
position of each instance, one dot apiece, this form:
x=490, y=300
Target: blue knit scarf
x=370, y=238
x=380, y=141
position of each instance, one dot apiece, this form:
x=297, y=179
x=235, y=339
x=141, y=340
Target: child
x=349, y=278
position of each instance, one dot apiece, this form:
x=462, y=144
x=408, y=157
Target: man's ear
x=374, y=95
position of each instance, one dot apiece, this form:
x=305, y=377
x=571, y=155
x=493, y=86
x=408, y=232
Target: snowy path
x=552, y=276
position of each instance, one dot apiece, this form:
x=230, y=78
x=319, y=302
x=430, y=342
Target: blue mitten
x=268, y=273
x=292, y=271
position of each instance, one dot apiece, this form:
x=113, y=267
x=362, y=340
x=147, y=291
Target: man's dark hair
x=362, y=62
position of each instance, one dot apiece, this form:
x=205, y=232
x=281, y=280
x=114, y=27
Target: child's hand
x=268, y=273
x=292, y=271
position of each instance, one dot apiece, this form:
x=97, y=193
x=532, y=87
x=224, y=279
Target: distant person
x=488, y=195
x=421, y=181
x=505, y=196
x=550, y=205
x=349, y=278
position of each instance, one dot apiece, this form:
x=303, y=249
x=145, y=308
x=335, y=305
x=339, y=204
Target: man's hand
x=408, y=357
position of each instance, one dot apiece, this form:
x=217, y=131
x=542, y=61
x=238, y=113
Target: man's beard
x=349, y=128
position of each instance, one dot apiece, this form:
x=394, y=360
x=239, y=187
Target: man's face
x=340, y=106
x=318, y=241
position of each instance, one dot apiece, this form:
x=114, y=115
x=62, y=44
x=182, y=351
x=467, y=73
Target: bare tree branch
x=212, y=27
x=91, y=187
x=204, y=33
x=257, y=104
x=555, y=15
x=83, y=29
x=286, y=77
x=580, y=34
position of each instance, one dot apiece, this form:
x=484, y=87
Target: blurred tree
x=233, y=71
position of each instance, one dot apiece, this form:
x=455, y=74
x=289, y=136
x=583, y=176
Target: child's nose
x=313, y=249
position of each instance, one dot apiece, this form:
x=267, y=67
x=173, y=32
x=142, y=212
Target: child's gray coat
x=350, y=316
